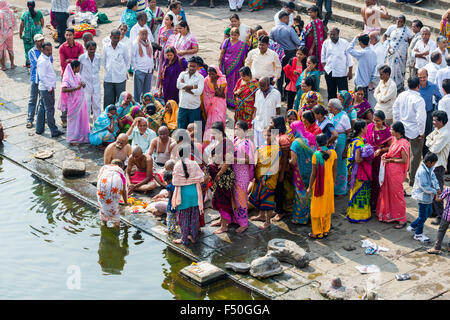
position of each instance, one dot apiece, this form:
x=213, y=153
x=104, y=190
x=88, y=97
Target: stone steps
x=349, y=13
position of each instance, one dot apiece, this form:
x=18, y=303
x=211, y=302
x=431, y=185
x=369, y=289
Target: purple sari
x=362, y=109
x=169, y=74
x=377, y=139
x=232, y=61
x=244, y=173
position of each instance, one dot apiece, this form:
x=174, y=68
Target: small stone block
x=71, y=168
x=202, y=273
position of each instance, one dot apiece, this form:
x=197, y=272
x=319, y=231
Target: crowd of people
x=172, y=134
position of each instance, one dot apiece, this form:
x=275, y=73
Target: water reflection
x=44, y=230
x=112, y=249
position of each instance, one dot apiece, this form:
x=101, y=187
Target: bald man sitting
x=120, y=149
x=161, y=146
x=142, y=179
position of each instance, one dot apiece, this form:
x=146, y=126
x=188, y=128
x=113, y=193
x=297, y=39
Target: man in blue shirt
x=34, y=54
x=428, y=91
x=288, y=39
x=367, y=62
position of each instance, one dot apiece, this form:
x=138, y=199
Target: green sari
x=32, y=26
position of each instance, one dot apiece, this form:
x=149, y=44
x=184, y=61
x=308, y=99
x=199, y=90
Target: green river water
x=53, y=247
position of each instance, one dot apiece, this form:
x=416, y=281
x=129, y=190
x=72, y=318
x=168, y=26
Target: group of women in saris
x=119, y=118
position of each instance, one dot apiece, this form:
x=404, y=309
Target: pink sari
x=215, y=107
x=7, y=26
x=314, y=39
x=75, y=104
x=391, y=202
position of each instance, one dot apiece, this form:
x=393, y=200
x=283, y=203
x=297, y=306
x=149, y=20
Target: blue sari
x=340, y=187
x=315, y=75
x=123, y=111
x=130, y=18
x=301, y=174
x=100, y=132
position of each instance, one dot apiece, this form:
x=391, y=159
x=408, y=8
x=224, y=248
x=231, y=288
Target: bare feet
x=221, y=230
x=265, y=226
x=13, y=66
x=241, y=229
x=191, y=239
x=177, y=241
x=216, y=224
x=258, y=218
x=3, y=68
x=278, y=217
x=433, y=251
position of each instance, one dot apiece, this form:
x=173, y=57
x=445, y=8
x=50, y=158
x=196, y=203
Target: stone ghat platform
x=335, y=256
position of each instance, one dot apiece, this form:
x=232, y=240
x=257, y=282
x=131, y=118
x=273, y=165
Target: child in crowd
x=164, y=204
x=292, y=71
x=426, y=186
x=298, y=27
x=168, y=167
x=445, y=221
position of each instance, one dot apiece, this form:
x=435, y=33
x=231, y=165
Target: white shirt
x=438, y=142
x=443, y=62
x=125, y=41
x=409, y=108
x=134, y=33
x=90, y=72
x=277, y=20
x=421, y=62
x=432, y=69
x=46, y=73
x=444, y=104
x=143, y=64
x=266, y=108
x=385, y=94
x=441, y=75
x=187, y=100
x=142, y=140
x=116, y=62
x=264, y=65
x=336, y=58
x=380, y=50
x=244, y=30
x=175, y=18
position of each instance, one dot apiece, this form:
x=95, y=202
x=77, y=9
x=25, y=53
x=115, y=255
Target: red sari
x=391, y=202
x=314, y=129
x=314, y=39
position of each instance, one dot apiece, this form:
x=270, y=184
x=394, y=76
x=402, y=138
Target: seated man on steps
x=161, y=146
x=120, y=149
x=142, y=178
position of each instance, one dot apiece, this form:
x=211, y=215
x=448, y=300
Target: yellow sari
x=267, y=167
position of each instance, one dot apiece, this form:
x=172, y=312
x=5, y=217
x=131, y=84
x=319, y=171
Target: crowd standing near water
x=171, y=134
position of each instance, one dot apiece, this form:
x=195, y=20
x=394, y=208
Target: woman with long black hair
x=32, y=22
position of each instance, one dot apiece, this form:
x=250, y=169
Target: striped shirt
x=142, y=4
